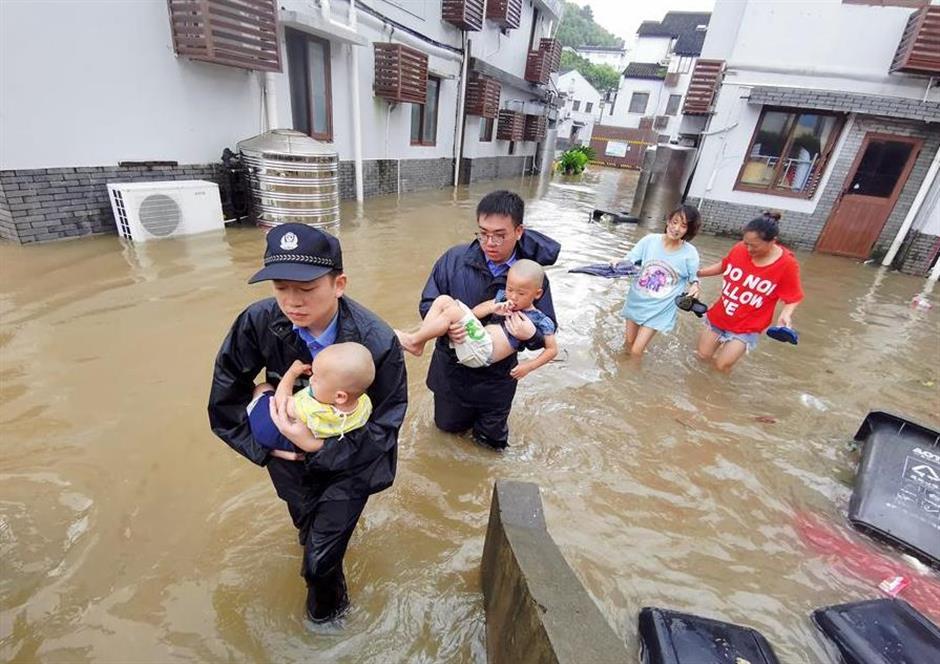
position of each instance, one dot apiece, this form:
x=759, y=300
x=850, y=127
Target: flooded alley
x=128, y=532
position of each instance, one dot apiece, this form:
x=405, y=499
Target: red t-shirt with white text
x=749, y=293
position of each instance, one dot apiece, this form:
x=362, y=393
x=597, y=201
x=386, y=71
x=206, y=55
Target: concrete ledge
x=536, y=608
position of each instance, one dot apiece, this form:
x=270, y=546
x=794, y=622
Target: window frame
x=292, y=34
x=645, y=103
x=588, y=106
x=487, y=127
x=771, y=189
x=675, y=111
x=576, y=105
x=422, y=139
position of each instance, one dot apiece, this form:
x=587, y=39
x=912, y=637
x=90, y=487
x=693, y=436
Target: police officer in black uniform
x=326, y=491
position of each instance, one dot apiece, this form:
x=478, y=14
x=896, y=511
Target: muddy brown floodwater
x=128, y=532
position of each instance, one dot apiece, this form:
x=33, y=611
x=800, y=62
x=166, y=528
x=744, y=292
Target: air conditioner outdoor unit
x=154, y=210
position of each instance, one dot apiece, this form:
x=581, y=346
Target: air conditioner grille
x=124, y=227
x=159, y=215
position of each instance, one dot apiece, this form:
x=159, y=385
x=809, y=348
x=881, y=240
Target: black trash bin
x=670, y=637
x=880, y=631
x=897, y=486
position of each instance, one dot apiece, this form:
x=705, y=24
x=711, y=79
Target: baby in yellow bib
x=333, y=404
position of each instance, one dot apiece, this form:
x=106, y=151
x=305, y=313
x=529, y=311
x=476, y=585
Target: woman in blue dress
x=668, y=267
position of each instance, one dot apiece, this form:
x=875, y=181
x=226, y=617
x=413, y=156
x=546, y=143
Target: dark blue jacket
x=462, y=273
x=262, y=337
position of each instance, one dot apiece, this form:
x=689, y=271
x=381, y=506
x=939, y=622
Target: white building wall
x=96, y=83
x=650, y=49
x=103, y=85
x=833, y=46
x=576, y=88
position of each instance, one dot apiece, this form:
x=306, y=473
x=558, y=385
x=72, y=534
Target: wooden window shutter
x=401, y=73
x=661, y=122
x=465, y=14
x=483, y=96
x=919, y=49
x=537, y=67
x=706, y=78
x=535, y=127
x=236, y=33
x=506, y=13
x=551, y=48
x=511, y=126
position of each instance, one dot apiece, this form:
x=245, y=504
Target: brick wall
x=920, y=254
x=40, y=204
x=494, y=168
x=419, y=174
x=801, y=230
x=896, y=107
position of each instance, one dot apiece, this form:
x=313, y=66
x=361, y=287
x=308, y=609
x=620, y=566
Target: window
x=638, y=102
x=576, y=105
x=612, y=108
x=685, y=65
x=662, y=138
x=588, y=106
x=788, y=152
x=672, y=106
x=424, y=116
x=308, y=71
x=486, y=129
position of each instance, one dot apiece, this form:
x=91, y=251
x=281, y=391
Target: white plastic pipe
x=461, y=120
x=356, y=114
x=914, y=209
x=270, y=101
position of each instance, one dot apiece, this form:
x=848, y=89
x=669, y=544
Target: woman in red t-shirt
x=756, y=273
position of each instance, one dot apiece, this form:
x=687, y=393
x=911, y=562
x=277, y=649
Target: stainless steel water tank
x=668, y=172
x=293, y=179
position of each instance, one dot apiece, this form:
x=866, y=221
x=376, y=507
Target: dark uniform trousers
x=324, y=529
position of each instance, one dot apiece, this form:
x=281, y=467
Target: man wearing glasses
x=480, y=399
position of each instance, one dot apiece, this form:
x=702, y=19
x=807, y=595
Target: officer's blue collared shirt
x=316, y=344
x=498, y=269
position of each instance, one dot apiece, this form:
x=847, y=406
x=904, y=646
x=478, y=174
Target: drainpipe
x=461, y=98
x=912, y=212
x=356, y=114
x=270, y=101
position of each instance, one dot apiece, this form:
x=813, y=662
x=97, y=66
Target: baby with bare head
x=334, y=403
x=487, y=344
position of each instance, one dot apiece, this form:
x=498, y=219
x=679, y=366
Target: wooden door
x=875, y=181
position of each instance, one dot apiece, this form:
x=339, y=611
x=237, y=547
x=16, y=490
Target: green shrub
x=572, y=162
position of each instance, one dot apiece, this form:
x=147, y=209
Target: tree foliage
x=602, y=77
x=577, y=28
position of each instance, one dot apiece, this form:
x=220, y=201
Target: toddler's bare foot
x=409, y=344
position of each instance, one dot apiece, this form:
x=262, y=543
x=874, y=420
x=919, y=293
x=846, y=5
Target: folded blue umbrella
x=785, y=334
x=607, y=270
